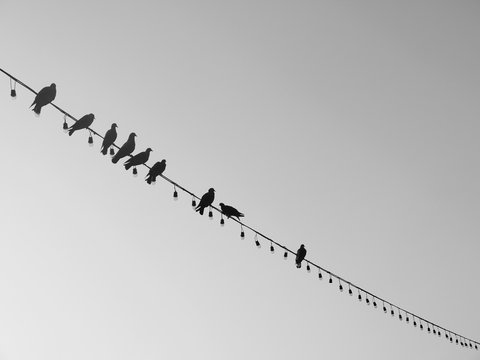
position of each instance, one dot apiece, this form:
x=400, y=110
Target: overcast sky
x=349, y=126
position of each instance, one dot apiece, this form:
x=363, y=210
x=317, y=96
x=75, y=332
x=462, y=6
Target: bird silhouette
x=301, y=253
x=126, y=148
x=139, y=159
x=157, y=169
x=206, y=201
x=230, y=211
x=44, y=97
x=109, y=138
x=84, y=122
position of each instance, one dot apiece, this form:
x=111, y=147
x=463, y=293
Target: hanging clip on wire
x=222, y=220
x=257, y=243
x=135, y=172
x=65, y=125
x=242, y=233
x=90, y=139
x=175, y=193
x=13, y=89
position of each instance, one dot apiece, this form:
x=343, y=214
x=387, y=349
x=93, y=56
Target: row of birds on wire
x=46, y=96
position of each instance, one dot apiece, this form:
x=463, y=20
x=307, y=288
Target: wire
x=258, y=233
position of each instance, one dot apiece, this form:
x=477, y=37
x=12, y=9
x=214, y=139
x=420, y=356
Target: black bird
x=157, y=169
x=126, y=148
x=109, y=138
x=301, y=253
x=139, y=159
x=44, y=97
x=82, y=123
x=229, y=211
x=206, y=201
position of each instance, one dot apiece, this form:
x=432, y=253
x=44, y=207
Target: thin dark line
x=175, y=184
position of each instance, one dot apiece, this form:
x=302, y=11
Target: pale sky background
x=349, y=126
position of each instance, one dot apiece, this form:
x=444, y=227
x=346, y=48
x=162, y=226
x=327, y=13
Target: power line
x=370, y=297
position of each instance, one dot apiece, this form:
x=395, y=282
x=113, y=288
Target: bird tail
x=299, y=265
x=115, y=159
x=241, y=215
x=70, y=132
x=127, y=165
x=200, y=210
x=104, y=150
x=37, y=109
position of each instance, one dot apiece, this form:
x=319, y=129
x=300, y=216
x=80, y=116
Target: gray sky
x=350, y=127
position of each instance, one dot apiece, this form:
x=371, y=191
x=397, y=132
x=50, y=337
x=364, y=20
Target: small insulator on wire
x=175, y=193
x=350, y=292
x=112, y=151
x=391, y=311
x=400, y=317
x=421, y=325
x=272, y=249
x=359, y=297
x=210, y=214
x=456, y=340
x=470, y=345
x=65, y=125
x=446, y=335
x=374, y=303
x=414, y=322
x=384, y=308
x=434, y=331
x=330, y=280
x=135, y=172
x=320, y=276
x=90, y=140
x=308, y=267
x=439, y=333
x=222, y=221
x=194, y=202
x=451, y=338
x=257, y=243
x=407, y=319
x=13, y=89
x=340, y=286
x=428, y=329
x=476, y=347
x=242, y=233
x=367, y=300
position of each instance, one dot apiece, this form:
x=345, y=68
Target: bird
x=206, y=201
x=139, y=159
x=82, y=123
x=44, y=97
x=126, y=148
x=157, y=169
x=301, y=253
x=109, y=138
x=230, y=211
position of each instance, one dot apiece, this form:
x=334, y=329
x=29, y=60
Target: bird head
x=132, y=135
x=148, y=150
x=114, y=126
x=302, y=246
x=221, y=205
x=211, y=190
x=163, y=161
x=52, y=85
x=92, y=116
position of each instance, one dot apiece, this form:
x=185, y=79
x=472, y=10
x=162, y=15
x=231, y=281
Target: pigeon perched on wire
x=206, y=201
x=139, y=159
x=44, y=97
x=82, y=123
x=301, y=253
x=230, y=211
x=157, y=169
x=109, y=138
x=126, y=148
